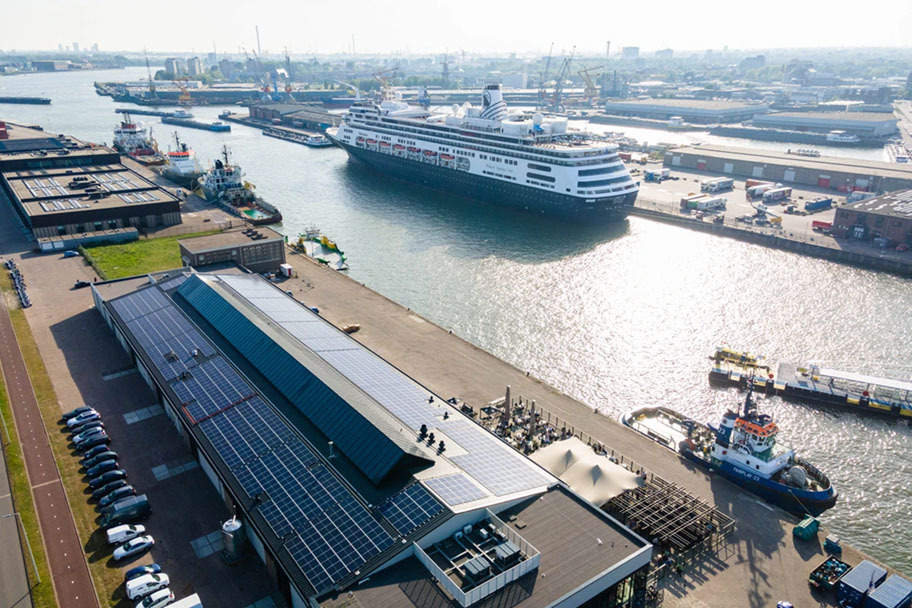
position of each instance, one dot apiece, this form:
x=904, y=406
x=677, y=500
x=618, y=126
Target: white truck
x=703, y=202
x=717, y=184
x=191, y=601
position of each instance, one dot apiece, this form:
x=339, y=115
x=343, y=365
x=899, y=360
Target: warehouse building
x=343, y=469
x=866, y=125
x=836, y=173
x=691, y=110
x=257, y=249
x=887, y=217
x=62, y=187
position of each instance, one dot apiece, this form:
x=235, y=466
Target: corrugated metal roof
x=369, y=436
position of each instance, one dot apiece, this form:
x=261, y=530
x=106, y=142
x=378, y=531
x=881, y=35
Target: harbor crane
x=385, y=87
x=562, y=73
x=591, y=94
x=152, y=93
x=544, y=79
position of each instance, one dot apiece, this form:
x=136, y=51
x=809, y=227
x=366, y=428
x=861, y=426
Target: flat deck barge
x=26, y=100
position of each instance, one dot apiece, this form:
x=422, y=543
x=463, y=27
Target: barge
x=217, y=126
x=312, y=140
x=42, y=101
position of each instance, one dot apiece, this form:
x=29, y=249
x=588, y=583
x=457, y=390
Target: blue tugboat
x=744, y=450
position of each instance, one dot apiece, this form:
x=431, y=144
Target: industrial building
x=62, y=187
x=837, y=173
x=344, y=470
x=866, y=125
x=691, y=110
x=887, y=217
x=257, y=249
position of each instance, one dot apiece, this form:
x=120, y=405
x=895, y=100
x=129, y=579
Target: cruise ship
x=519, y=159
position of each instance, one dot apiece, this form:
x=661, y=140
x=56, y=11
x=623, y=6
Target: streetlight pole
x=27, y=543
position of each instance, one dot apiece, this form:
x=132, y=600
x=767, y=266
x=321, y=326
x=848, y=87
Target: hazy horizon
x=473, y=26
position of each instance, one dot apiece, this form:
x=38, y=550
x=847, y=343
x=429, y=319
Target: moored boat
x=182, y=166
x=134, y=140
x=223, y=185
x=743, y=449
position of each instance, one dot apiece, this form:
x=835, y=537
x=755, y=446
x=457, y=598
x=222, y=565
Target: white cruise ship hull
x=479, y=187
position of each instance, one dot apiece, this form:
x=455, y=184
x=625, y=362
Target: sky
x=473, y=26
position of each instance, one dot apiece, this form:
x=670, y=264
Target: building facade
x=258, y=249
x=887, y=217
x=867, y=125
x=691, y=110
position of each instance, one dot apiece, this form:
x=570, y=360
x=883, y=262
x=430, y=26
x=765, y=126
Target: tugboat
x=182, y=167
x=132, y=139
x=223, y=185
x=743, y=449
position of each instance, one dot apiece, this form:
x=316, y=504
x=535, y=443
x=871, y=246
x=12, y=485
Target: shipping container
x=895, y=592
x=857, y=583
x=657, y=176
x=624, y=155
x=777, y=194
x=818, y=205
x=821, y=225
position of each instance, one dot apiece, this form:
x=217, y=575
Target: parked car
x=93, y=441
x=85, y=426
x=79, y=410
x=107, y=488
x=146, y=584
x=140, y=570
x=98, y=449
x=98, y=458
x=160, y=598
x=121, y=534
x=106, y=477
x=70, y=253
x=116, y=494
x=133, y=547
x=81, y=437
x=83, y=417
x=102, y=467
x=81, y=284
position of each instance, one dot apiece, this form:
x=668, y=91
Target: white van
x=146, y=584
x=121, y=534
x=162, y=597
x=191, y=601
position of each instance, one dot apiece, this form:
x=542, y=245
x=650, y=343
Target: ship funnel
x=493, y=107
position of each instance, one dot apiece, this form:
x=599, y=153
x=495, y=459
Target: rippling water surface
x=617, y=316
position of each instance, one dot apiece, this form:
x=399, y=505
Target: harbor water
x=619, y=317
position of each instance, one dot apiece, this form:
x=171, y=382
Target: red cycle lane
x=70, y=573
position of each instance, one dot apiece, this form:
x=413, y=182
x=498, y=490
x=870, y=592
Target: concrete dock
x=763, y=563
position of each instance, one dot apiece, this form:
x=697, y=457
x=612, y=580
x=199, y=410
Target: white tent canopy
x=592, y=476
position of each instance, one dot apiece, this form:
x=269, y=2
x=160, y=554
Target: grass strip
x=119, y=260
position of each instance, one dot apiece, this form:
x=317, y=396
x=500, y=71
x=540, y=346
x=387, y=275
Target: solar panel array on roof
x=410, y=508
x=496, y=466
x=324, y=529
x=455, y=489
x=173, y=282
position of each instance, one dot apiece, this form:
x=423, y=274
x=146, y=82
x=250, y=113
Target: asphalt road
x=14, y=587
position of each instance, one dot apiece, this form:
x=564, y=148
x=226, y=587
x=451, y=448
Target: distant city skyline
x=474, y=26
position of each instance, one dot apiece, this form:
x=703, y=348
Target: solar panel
x=139, y=303
x=499, y=468
x=455, y=489
x=410, y=508
x=210, y=387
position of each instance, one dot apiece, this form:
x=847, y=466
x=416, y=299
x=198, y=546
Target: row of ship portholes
x=411, y=152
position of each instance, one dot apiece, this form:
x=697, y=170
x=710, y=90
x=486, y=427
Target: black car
x=92, y=452
x=116, y=494
x=84, y=440
x=141, y=570
x=99, y=458
x=93, y=441
x=81, y=284
x=107, y=488
x=95, y=424
x=106, y=477
x=77, y=411
x=101, y=467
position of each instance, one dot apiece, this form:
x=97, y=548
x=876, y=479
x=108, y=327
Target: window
x=599, y=171
x=602, y=182
x=544, y=178
x=542, y=168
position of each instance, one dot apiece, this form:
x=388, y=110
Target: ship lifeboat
x=413, y=149
x=430, y=153
x=360, y=140
x=398, y=147
x=447, y=157
x=385, y=144
x=371, y=142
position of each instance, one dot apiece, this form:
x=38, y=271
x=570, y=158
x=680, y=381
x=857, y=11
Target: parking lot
x=88, y=366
